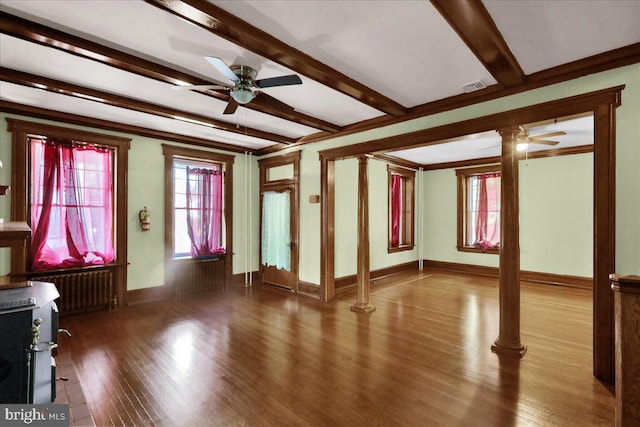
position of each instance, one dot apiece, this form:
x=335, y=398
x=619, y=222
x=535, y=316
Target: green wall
x=556, y=217
x=627, y=173
x=346, y=220
x=146, y=188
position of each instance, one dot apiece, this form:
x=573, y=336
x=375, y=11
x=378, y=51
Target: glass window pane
x=182, y=244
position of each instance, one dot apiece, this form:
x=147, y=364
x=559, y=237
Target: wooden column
x=508, y=341
x=363, y=285
x=626, y=297
x=327, y=231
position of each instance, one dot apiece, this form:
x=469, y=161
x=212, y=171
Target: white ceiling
x=404, y=50
x=579, y=132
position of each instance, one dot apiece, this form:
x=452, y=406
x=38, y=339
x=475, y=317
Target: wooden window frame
x=204, y=164
x=21, y=186
x=171, y=152
x=408, y=195
x=463, y=176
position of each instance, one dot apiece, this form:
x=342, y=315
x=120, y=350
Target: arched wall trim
x=602, y=104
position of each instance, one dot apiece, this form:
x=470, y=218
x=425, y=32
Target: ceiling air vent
x=473, y=86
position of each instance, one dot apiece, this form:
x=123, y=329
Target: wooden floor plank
x=260, y=356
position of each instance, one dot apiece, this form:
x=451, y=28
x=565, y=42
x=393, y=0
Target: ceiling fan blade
x=273, y=102
x=291, y=79
x=547, y=135
x=489, y=147
x=222, y=67
x=199, y=87
x=543, y=142
x=232, y=106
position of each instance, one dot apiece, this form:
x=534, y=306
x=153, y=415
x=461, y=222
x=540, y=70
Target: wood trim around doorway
x=292, y=183
x=602, y=104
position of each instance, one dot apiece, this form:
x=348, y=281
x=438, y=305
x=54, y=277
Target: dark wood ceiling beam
x=75, y=119
x=56, y=86
x=437, y=135
x=46, y=36
x=471, y=20
x=225, y=25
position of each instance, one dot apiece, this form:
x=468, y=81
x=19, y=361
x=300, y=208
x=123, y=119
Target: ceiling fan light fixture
x=522, y=146
x=242, y=95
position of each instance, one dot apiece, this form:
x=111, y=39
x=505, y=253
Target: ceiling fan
x=524, y=138
x=245, y=87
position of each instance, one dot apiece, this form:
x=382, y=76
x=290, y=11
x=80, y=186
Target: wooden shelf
x=14, y=234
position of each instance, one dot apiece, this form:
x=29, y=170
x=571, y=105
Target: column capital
x=509, y=131
x=363, y=158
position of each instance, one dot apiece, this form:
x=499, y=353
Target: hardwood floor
x=261, y=357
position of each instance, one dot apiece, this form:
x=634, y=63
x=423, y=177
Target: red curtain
x=71, y=204
x=204, y=211
x=488, y=211
x=396, y=209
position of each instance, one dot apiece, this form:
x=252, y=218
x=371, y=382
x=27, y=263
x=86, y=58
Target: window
x=71, y=203
x=401, y=207
x=479, y=209
x=91, y=214
x=197, y=212
x=198, y=223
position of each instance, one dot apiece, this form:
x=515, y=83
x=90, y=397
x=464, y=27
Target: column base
x=363, y=308
x=509, y=350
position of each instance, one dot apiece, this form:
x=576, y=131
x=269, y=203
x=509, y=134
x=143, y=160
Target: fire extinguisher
x=145, y=220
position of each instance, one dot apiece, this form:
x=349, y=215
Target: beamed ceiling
x=363, y=64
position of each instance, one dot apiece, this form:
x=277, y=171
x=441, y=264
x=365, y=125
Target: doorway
x=279, y=213
x=603, y=104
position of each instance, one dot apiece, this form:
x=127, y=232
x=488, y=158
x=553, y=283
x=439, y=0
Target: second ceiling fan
x=245, y=87
x=524, y=138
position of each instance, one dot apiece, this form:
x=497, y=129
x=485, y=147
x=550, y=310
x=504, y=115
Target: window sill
x=400, y=249
x=192, y=258
x=494, y=251
x=76, y=269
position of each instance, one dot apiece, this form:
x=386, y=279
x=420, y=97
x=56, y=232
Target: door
x=277, y=239
x=279, y=210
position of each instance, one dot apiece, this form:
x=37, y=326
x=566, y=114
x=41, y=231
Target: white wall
x=556, y=217
x=146, y=188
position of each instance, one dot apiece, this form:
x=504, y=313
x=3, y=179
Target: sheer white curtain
x=276, y=234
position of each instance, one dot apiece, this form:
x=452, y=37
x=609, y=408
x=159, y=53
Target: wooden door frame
x=602, y=104
x=278, y=185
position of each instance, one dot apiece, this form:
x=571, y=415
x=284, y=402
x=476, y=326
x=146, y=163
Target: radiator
x=82, y=291
x=199, y=275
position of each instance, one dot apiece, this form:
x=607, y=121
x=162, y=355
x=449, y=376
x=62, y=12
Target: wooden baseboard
x=346, y=282
x=309, y=289
x=527, y=276
x=144, y=295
